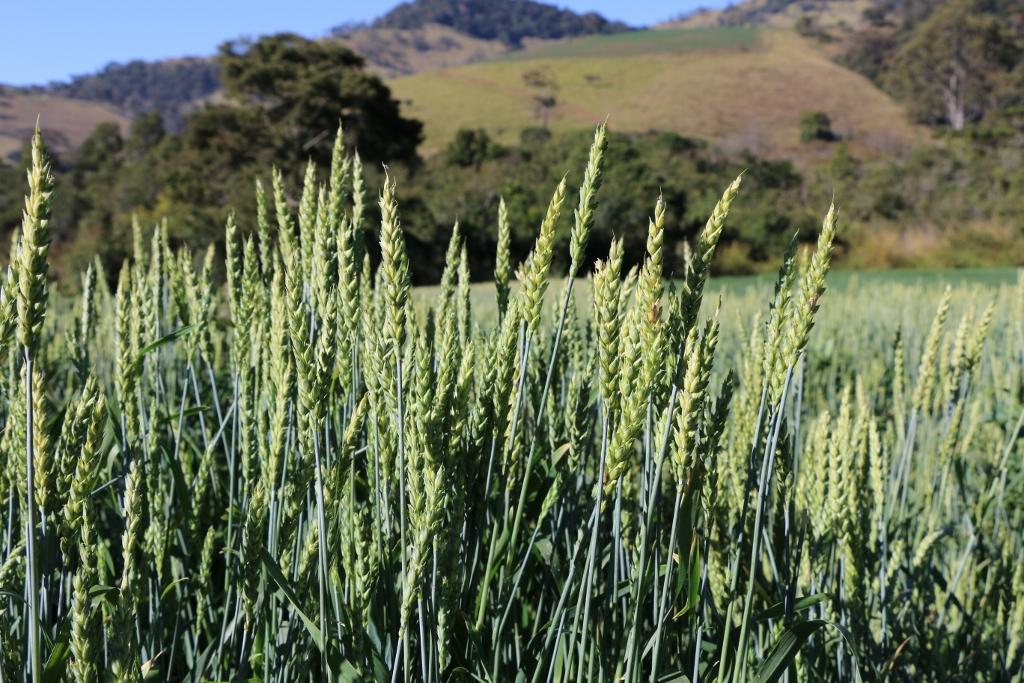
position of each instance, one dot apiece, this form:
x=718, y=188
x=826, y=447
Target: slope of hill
x=826, y=14
x=65, y=121
x=415, y=36
x=509, y=21
x=740, y=87
x=397, y=52
x=171, y=86
x=952, y=63
x=641, y=43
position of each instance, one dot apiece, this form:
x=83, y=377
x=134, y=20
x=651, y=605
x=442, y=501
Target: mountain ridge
x=509, y=21
x=414, y=36
x=864, y=37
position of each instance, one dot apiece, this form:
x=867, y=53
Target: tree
x=471, y=148
x=284, y=99
x=950, y=65
x=544, y=87
x=11, y=199
x=302, y=88
x=509, y=21
x=815, y=125
x=100, y=149
x=146, y=132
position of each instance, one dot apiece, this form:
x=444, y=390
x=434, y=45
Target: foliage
x=815, y=125
x=809, y=28
x=953, y=62
x=509, y=21
x=193, y=179
x=974, y=175
x=282, y=92
x=472, y=148
x=968, y=184
x=284, y=97
x=172, y=88
x=10, y=197
x=302, y=89
x=686, y=171
x=309, y=473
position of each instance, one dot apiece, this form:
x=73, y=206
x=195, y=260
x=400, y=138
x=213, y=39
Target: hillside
x=65, y=121
x=415, y=36
x=740, y=77
x=826, y=14
x=509, y=21
x=172, y=87
x=399, y=52
x=741, y=87
x=952, y=63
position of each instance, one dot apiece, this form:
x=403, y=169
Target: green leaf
x=693, y=587
x=675, y=677
x=559, y=452
x=171, y=586
x=56, y=664
x=164, y=340
x=348, y=673
x=274, y=572
x=785, y=649
x=778, y=610
x=107, y=594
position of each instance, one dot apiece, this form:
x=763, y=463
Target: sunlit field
x=313, y=471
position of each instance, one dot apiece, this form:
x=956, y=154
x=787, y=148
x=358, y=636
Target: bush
x=815, y=125
x=472, y=148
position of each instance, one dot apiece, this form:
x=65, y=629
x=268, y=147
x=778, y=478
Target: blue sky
x=45, y=41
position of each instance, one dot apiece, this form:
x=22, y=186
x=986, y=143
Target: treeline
x=195, y=179
x=171, y=87
x=945, y=191
x=285, y=95
x=509, y=21
x=952, y=62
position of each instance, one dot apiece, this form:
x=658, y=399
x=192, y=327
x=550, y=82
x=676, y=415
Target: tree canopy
x=506, y=20
x=171, y=87
x=303, y=88
x=953, y=62
x=284, y=97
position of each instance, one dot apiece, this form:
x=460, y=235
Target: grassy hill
x=510, y=21
x=635, y=43
x=741, y=80
x=826, y=14
x=742, y=87
x=414, y=36
x=65, y=121
x=172, y=87
x=396, y=52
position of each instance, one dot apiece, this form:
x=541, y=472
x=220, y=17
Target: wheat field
x=305, y=470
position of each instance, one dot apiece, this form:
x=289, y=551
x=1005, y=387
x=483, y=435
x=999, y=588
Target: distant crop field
x=643, y=42
x=870, y=293
x=853, y=280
